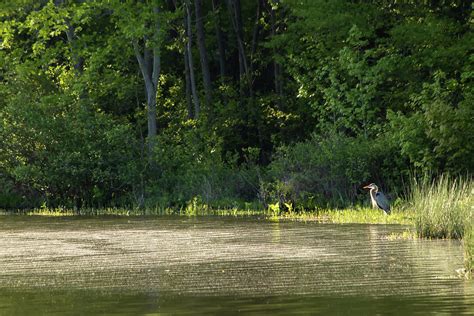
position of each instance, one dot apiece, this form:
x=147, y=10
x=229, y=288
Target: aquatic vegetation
x=341, y=216
x=346, y=216
x=443, y=208
x=195, y=208
x=405, y=235
x=440, y=209
x=468, y=243
x=367, y=216
x=188, y=210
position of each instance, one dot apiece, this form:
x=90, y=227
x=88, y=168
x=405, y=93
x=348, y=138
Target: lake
x=224, y=265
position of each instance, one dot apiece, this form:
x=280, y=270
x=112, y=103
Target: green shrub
x=67, y=152
x=329, y=171
x=11, y=197
x=439, y=136
x=190, y=169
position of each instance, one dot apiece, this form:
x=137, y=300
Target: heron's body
x=378, y=198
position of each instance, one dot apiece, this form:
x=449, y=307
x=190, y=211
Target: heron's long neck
x=372, y=196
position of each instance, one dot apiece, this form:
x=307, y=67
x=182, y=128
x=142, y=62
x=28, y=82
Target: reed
x=443, y=208
x=468, y=243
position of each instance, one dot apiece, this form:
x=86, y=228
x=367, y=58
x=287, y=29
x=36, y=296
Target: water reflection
x=216, y=265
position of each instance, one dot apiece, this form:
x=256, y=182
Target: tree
x=392, y=78
x=206, y=74
x=147, y=47
x=189, y=54
x=235, y=13
x=216, y=7
x=277, y=72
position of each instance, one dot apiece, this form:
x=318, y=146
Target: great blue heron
x=378, y=198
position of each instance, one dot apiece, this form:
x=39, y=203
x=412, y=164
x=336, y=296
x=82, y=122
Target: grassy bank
x=357, y=215
x=436, y=209
x=353, y=215
x=185, y=211
x=444, y=208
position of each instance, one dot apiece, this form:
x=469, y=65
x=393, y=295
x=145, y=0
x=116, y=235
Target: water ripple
x=227, y=257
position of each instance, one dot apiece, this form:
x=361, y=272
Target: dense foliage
x=154, y=103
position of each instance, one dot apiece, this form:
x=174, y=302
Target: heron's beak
x=367, y=187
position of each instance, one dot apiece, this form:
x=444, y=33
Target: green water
x=166, y=265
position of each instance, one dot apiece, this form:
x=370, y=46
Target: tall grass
x=469, y=251
x=443, y=207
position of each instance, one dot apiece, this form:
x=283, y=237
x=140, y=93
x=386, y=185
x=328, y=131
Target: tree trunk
x=189, y=101
x=255, y=33
x=277, y=79
x=240, y=38
x=150, y=67
x=150, y=89
x=187, y=22
x=236, y=19
x=206, y=74
x=220, y=38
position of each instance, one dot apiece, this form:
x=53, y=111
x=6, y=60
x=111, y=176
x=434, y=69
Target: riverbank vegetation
x=445, y=209
x=237, y=105
x=343, y=216
x=260, y=101
x=468, y=243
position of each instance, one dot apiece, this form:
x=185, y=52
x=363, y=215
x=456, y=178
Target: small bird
x=378, y=198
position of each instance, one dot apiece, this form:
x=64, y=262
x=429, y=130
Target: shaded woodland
x=158, y=103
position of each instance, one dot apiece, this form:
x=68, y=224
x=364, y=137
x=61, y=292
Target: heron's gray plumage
x=378, y=198
x=382, y=202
